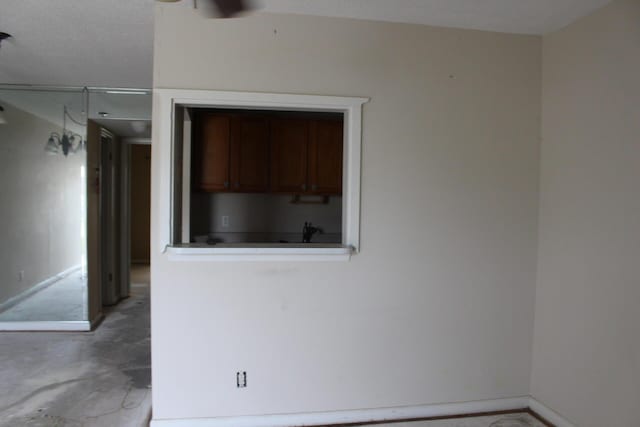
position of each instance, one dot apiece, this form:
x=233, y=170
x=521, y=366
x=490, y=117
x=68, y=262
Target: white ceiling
x=110, y=42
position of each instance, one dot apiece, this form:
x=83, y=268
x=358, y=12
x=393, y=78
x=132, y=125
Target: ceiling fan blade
x=225, y=8
x=229, y=8
x=4, y=36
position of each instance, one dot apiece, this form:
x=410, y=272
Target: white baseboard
x=46, y=326
x=52, y=326
x=549, y=414
x=353, y=416
x=37, y=288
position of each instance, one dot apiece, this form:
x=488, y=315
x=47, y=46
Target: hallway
x=99, y=378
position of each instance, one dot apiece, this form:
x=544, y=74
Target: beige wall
x=41, y=210
x=140, y=193
x=586, y=360
x=438, y=306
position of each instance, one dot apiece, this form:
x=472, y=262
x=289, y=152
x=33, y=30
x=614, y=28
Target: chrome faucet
x=308, y=231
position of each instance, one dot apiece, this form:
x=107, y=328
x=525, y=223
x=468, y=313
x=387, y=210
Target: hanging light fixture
x=68, y=142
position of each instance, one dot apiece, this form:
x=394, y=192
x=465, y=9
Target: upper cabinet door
x=289, y=138
x=213, y=170
x=325, y=157
x=249, y=154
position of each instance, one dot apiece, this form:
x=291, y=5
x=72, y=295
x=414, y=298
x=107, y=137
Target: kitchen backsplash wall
x=262, y=217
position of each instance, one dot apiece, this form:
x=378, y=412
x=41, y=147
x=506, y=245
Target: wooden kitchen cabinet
x=306, y=156
x=211, y=153
x=289, y=139
x=325, y=157
x=249, y=157
x=249, y=152
x=232, y=154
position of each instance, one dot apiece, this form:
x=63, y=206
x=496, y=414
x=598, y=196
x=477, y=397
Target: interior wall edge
x=549, y=414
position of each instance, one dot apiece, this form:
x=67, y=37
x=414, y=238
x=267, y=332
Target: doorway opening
x=125, y=208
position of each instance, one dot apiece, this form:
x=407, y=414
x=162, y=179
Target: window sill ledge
x=259, y=252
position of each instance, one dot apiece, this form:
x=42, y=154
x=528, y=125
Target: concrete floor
x=88, y=379
x=64, y=300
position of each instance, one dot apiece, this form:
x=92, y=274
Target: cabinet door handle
x=226, y=184
x=304, y=187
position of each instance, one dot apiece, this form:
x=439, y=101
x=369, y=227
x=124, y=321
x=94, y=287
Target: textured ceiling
x=110, y=42
x=77, y=42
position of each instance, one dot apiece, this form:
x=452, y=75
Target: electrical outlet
x=20, y=275
x=225, y=221
x=241, y=379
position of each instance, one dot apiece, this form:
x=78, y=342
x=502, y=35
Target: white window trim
x=275, y=253
x=165, y=101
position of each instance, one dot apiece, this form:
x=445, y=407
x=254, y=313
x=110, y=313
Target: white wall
x=40, y=205
x=438, y=306
x=586, y=362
